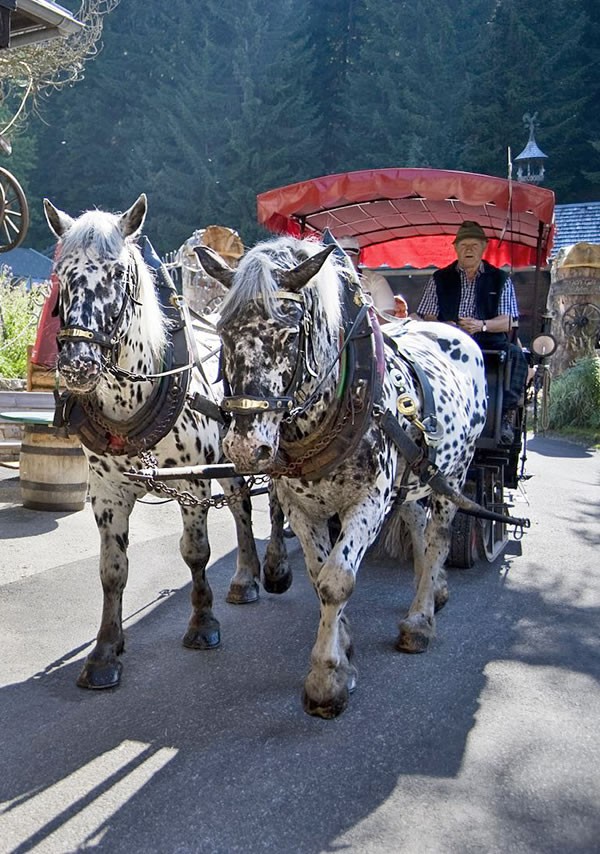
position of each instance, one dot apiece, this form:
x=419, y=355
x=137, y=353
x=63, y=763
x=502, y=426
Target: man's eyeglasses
x=352, y=251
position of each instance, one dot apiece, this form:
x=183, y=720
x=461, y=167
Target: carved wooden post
x=574, y=304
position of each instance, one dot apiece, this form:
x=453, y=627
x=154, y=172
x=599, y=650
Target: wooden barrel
x=53, y=470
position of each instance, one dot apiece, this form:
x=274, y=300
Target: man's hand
x=470, y=324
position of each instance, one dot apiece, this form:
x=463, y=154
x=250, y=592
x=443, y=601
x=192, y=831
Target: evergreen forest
x=204, y=104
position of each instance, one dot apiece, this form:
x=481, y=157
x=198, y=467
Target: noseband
x=106, y=340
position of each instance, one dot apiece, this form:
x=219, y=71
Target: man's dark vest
x=488, y=290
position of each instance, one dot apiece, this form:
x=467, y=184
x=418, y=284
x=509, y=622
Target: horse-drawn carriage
x=314, y=399
x=405, y=220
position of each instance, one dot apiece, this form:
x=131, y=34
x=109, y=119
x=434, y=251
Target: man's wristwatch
x=484, y=327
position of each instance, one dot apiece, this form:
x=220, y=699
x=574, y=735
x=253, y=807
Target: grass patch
x=574, y=408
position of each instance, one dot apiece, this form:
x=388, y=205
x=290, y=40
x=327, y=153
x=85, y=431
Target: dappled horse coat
x=286, y=339
x=113, y=341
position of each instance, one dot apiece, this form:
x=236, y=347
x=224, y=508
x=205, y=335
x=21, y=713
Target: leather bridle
x=245, y=404
x=106, y=340
x=287, y=403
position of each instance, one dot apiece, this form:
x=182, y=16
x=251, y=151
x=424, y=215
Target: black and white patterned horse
x=347, y=425
x=114, y=332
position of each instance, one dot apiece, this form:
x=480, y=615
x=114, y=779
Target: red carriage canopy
x=407, y=217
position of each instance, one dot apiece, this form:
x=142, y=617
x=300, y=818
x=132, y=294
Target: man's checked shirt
x=467, y=308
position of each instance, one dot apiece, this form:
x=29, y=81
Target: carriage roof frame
x=403, y=216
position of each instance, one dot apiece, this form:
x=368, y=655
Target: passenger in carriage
x=480, y=298
x=376, y=285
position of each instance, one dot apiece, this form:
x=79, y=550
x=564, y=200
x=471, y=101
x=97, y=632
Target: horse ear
x=58, y=221
x=133, y=219
x=214, y=265
x=295, y=279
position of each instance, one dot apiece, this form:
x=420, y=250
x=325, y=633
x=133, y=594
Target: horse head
x=98, y=288
x=269, y=322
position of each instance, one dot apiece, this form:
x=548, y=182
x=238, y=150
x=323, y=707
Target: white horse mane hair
x=99, y=235
x=255, y=278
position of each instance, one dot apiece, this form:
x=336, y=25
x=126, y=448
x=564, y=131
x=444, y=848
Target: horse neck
x=118, y=395
x=323, y=347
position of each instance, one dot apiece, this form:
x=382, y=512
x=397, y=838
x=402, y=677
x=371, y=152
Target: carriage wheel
x=493, y=535
x=14, y=212
x=463, y=542
x=463, y=552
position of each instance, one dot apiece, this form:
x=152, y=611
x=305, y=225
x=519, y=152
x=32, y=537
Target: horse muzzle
x=251, y=454
x=80, y=373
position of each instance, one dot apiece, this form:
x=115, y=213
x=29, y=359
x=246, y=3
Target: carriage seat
x=498, y=365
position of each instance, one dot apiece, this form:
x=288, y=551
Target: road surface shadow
x=237, y=765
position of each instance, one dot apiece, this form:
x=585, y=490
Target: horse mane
x=98, y=234
x=255, y=279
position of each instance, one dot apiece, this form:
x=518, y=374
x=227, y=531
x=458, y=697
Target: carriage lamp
x=543, y=345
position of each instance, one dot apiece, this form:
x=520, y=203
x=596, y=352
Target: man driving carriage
x=480, y=298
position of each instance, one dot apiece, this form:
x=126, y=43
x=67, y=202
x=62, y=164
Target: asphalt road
x=486, y=743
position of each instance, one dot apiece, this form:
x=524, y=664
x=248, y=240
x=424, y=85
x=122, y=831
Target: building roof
x=576, y=223
x=29, y=21
x=27, y=264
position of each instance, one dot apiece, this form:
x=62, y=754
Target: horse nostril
x=263, y=452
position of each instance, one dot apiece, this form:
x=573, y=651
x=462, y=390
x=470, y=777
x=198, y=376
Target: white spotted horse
x=131, y=389
x=347, y=422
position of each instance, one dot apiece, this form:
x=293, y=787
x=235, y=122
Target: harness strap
x=81, y=333
x=251, y=405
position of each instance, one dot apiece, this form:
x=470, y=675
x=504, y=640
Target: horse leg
x=431, y=543
x=277, y=573
x=102, y=668
x=243, y=587
x=203, y=631
x=332, y=676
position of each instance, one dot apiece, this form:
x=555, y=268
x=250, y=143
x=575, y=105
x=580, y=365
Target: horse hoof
x=242, y=594
x=208, y=638
x=96, y=676
x=279, y=583
x=326, y=709
x=412, y=640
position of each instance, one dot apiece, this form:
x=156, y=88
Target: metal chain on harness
x=294, y=468
x=188, y=499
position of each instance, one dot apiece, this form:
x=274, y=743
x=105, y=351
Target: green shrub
x=575, y=397
x=19, y=313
